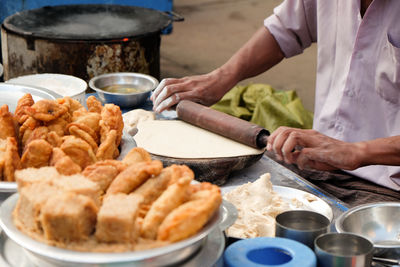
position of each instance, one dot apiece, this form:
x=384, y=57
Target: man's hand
x=205, y=89
x=311, y=149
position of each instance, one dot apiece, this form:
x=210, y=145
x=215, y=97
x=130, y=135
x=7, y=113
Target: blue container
x=10, y=7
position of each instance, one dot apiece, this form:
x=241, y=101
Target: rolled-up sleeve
x=294, y=25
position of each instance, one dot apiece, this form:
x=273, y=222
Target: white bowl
x=64, y=85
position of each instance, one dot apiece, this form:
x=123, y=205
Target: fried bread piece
x=29, y=176
x=80, y=185
x=63, y=163
x=12, y=160
x=26, y=130
x=133, y=176
x=68, y=217
x=30, y=202
x=190, y=217
x=135, y=155
x=59, y=124
x=71, y=104
x=76, y=130
x=170, y=199
x=36, y=154
x=116, y=220
x=78, y=150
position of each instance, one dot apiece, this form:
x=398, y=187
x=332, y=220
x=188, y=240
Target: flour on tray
x=257, y=206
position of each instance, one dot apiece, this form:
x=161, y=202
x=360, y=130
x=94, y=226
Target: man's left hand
x=310, y=149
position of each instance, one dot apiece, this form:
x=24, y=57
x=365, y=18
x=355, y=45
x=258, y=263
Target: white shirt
x=358, y=70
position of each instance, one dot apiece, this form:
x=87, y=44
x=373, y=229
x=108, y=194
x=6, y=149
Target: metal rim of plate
x=293, y=192
x=70, y=256
x=209, y=255
x=41, y=93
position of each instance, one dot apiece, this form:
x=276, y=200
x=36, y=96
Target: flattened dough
x=178, y=139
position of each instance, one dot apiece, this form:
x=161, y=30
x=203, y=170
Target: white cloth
x=358, y=71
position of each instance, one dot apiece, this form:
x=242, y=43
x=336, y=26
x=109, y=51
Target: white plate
x=167, y=255
x=289, y=193
x=10, y=94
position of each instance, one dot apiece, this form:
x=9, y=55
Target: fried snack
x=29, y=176
x=190, y=217
x=135, y=155
x=93, y=104
x=155, y=186
x=68, y=217
x=170, y=199
x=111, y=119
x=54, y=139
x=59, y=125
x=25, y=101
x=116, y=220
x=108, y=148
x=63, y=163
x=78, y=150
x=46, y=110
x=119, y=165
x=12, y=160
x=89, y=122
x=71, y=104
x=26, y=129
x=3, y=147
x=7, y=123
x=37, y=133
x=133, y=176
x=79, y=184
x=36, y=154
x=30, y=201
x=101, y=173
x=76, y=130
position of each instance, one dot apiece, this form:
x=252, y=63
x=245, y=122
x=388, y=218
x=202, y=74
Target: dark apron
x=349, y=188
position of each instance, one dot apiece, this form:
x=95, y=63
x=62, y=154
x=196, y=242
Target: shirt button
x=350, y=93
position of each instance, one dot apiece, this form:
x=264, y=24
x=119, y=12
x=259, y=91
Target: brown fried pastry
x=133, y=176
x=59, y=125
x=93, y=104
x=191, y=216
x=36, y=154
x=108, y=148
x=111, y=119
x=170, y=199
x=12, y=160
x=63, y=163
x=3, y=147
x=46, y=110
x=78, y=150
x=76, y=130
x=54, y=139
x=25, y=101
x=101, y=173
x=135, y=155
x=26, y=129
x=71, y=104
x=8, y=125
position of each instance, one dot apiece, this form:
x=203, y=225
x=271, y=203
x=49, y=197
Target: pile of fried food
x=114, y=206
x=60, y=133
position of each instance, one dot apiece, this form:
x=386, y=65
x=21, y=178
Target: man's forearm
x=382, y=151
x=259, y=54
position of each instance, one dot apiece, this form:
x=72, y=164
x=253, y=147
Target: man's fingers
x=157, y=91
x=167, y=103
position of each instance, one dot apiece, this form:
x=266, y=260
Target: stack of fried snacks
x=60, y=133
x=133, y=204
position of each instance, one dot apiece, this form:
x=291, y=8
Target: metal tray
x=54, y=256
x=210, y=253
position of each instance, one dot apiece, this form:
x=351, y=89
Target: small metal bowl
x=144, y=83
x=379, y=222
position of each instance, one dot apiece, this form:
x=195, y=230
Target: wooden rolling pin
x=223, y=124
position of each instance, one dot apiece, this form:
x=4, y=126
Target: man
x=357, y=105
